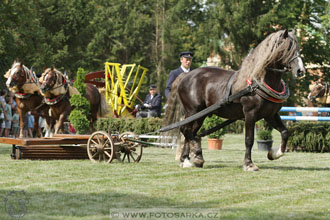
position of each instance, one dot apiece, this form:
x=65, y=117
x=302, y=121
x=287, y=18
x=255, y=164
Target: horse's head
x=317, y=91
x=48, y=80
x=17, y=76
x=291, y=56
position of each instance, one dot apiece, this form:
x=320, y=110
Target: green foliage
x=81, y=103
x=79, y=121
x=236, y=127
x=79, y=83
x=120, y=125
x=83, y=33
x=264, y=135
x=78, y=117
x=211, y=122
x=264, y=130
x=309, y=136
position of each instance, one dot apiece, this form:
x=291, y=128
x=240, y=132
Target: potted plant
x=214, y=139
x=264, y=136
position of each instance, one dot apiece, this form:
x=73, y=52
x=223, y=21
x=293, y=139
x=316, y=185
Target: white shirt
x=184, y=69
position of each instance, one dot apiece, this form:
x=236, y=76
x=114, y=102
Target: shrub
x=211, y=122
x=80, y=103
x=264, y=135
x=79, y=121
x=264, y=130
x=120, y=125
x=309, y=137
x=79, y=116
x=236, y=127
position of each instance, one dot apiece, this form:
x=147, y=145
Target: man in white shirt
x=185, y=59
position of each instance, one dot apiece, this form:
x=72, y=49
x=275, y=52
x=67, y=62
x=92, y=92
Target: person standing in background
x=185, y=60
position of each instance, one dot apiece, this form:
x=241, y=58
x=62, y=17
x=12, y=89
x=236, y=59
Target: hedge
x=120, y=125
x=146, y=125
x=309, y=137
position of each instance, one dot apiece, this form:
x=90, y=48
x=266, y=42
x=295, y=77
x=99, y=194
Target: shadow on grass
x=60, y=205
x=296, y=168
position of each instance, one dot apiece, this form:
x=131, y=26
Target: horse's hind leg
x=277, y=123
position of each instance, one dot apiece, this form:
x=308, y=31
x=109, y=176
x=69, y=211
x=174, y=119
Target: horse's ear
x=52, y=68
x=21, y=64
x=44, y=68
x=285, y=34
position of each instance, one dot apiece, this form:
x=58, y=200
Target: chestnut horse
x=196, y=90
x=319, y=95
x=57, y=92
x=24, y=84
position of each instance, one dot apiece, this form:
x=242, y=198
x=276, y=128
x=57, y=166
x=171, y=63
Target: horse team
x=191, y=93
x=49, y=97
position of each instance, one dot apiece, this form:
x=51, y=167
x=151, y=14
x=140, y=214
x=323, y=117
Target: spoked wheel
x=100, y=147
x=129, y=150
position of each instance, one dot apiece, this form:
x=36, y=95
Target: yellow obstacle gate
x=122, y=84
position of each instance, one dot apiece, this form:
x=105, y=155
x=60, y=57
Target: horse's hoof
x=198, y=162
x=250, y=167
x=186, y=164
x=270, y=155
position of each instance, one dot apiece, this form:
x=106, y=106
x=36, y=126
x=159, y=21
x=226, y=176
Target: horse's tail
x=174, y=110
x=103, y=107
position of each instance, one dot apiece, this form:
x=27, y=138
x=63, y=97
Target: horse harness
x=254, y=87
x=56, y=99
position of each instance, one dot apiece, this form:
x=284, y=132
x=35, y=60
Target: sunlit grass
x=293, y=187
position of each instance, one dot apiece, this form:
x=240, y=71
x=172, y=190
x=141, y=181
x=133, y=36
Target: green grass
x=294, y=187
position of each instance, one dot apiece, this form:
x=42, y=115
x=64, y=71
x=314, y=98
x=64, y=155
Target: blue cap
x=152, y=87
x=187, y=54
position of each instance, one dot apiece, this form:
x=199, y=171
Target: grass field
x=294, y=187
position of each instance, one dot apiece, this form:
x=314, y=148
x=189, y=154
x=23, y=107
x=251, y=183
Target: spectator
x=30, y=124
x=15, y=124
x=185, y=60
x=152, y=106
x=3, y=115
x=9, y=117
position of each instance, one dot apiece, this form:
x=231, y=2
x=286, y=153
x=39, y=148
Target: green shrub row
x=120, y=125
x=309, y=137
x=147, y=125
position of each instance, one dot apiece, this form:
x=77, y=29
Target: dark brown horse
x=24, y=84
x=196, y=90
x=57, y=91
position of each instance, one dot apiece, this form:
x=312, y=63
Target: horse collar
x=22, y=95
x=53, y=101
x=266, y=92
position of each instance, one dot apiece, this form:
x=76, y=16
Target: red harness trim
x=280, y=93
x=21, y=94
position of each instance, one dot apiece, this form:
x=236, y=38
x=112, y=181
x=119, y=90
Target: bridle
x=53, y=81
x=287, y=67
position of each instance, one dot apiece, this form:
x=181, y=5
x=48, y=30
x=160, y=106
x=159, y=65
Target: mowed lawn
x=297, y=186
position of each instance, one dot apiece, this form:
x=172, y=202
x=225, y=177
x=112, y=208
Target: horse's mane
x=268, y=51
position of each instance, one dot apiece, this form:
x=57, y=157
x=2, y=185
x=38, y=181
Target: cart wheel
x=130, y=150
x=100, y=147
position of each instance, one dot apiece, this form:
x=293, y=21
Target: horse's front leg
x=249, y=139
x=36, y=125
x=60, y=124
x=277, y=123
x=21, y=114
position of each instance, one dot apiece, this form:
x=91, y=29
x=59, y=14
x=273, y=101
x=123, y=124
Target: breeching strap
x=252, y=87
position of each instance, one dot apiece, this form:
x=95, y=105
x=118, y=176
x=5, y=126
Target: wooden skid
x=49, y=152
x=57, y=148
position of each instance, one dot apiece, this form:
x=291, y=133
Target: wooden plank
x=76, y=136
x=43, y=141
